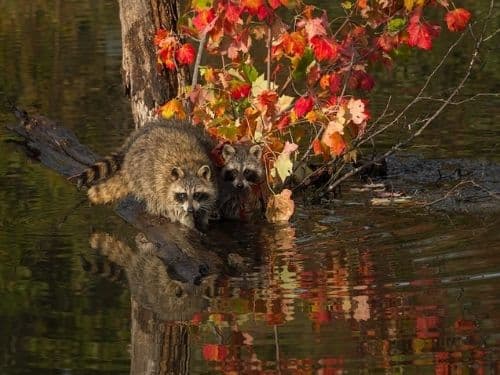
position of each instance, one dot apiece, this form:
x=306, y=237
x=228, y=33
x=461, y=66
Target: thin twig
x=269, y=45
x=196, y=69
x=469, y=99
x=400, y=145
x=417, y=97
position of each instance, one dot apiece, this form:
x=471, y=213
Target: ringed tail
x=102, y=169
x=110, y=190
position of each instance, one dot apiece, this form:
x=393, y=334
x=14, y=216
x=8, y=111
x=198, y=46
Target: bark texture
x=146, y=84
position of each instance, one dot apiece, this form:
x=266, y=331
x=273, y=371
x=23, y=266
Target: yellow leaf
x=409, y=4
x=173, y=108
x=283, y=166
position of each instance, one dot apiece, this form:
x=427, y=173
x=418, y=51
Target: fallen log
x=59, y=149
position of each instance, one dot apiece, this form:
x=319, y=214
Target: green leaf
x=202, y=4
x=347, y=5
x=250, y=72
x=300, y=70
x=396, y=25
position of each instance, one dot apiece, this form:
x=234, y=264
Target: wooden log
x=59, y=149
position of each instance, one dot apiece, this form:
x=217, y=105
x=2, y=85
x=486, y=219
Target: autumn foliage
x=284, y=74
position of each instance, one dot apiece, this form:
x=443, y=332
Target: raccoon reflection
x=239, y=180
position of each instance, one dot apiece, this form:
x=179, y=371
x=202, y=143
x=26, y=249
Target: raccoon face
x=242, y=166
x=192, y=192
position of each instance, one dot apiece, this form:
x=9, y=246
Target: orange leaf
x=173, y=108
x=280, y=207
x=337, y=144
x=324, y=49
x=317, y=147
x=215, y=352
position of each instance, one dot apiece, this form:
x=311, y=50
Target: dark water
x=346, y=288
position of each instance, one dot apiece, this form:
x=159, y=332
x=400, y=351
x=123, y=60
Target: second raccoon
x=239, y=180
x=165, y=165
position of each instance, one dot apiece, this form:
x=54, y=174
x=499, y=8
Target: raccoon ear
x=228, y=151
x=256, y=151
x=176, y=173
x=205, y=172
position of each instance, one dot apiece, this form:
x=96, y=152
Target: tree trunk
x=146, y=83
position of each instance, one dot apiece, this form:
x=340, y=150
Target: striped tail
x=102, y=169
x=108, y=191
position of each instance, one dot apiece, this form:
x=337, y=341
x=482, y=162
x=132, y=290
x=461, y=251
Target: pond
x=347, y=287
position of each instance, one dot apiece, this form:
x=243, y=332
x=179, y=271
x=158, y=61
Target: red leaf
x=283, y=123
x=303, y=105
x=457, y=19
x=252, y=6
x=421, y=34
x=324, y=49
x=160, y=35
x=274, y=3
x=166, y=56
x=263, y=13
x=387, y=42
x=233, y=13
x=186, y=54
x=203, y=18
x=240, y=90
x=335, y=83
x=215, y=352
x=366, y=82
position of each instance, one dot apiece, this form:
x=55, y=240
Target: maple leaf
x=266, y=102
x=337, y=144
x=387, y=42
x=185, y=54
x=160, y=35
x=203, y=19
x=173, y=108
x=313, y=27
x=335, y=83
x=294, y=43
x=421, y=33
x=252, y=6
x=274, y=4
x=324, y=49
x=357, y=109
x=239, y=90
x=166, y=57
x=201, y=4
x=303, y=105
x=233, y=13
x=280, y=207
x=457, y=19
x=283, y=123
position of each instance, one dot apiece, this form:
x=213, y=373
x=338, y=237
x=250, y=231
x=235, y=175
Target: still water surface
x=348, y=288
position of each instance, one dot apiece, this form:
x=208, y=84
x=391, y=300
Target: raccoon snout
x=240, y=185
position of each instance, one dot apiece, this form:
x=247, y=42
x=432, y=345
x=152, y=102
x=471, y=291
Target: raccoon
x=239, y=179
x=167, y=166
